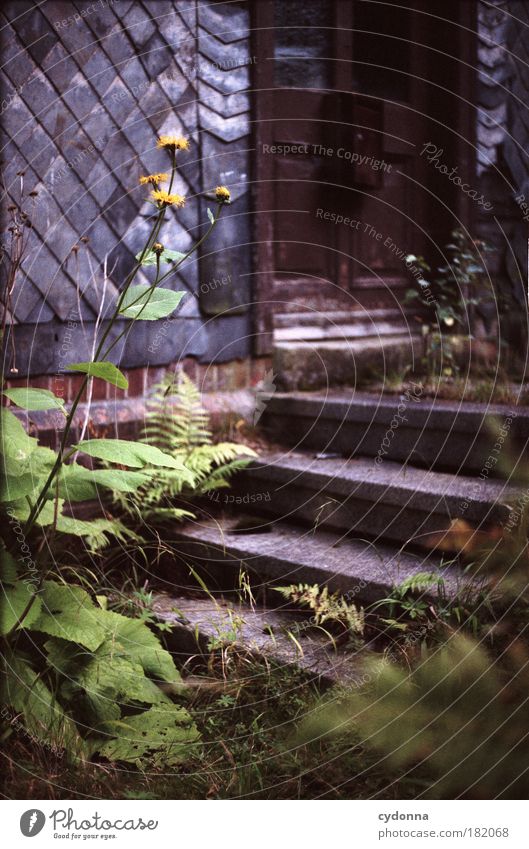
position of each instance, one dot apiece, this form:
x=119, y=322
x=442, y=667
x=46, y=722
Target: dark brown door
x=349, y=93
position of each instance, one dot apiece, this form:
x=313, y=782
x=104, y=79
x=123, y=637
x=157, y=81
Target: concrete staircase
x=329, y=508
x=339, y=348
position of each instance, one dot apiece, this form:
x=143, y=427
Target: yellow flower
x=173, y=143
x=154, y=179
x=163, y=198
x=222, y=194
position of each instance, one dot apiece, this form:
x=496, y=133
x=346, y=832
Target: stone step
x=427, y=432
x=391, y=501
x=279, y=635
x=284, y=554
x=341, y=331
x=311, y=318
x=305, y=365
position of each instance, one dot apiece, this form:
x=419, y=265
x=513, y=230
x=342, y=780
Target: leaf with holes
x=164, y=735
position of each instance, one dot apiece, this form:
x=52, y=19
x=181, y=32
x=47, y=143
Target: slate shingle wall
x=503, y=134
x=86, y=88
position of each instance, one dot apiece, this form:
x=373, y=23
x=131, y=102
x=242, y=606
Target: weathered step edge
x=402, y=504
x=286, y=554
x=426, y=432
x=262, y=632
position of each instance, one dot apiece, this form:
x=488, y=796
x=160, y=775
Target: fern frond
x=177, y=423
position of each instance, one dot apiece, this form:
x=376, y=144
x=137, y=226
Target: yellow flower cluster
x=173, y=143
x=163, y=198
x=222, y=194
x=154, y=179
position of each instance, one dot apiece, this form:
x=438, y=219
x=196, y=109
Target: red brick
x=241, y=374
x=259, y=368
x=225, y=377
x=136, y=378
x=42, y=382
x=59, y=386
x=190, y=367
x=18, y=383
x=115, y=394
x=74, y=383
x=206, y=377
x=99, y=390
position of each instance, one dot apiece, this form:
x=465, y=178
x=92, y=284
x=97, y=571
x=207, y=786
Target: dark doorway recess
x=348, y=94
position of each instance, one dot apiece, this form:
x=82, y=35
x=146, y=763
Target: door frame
x=464, y=121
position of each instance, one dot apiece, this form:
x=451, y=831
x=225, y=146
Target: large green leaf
x=67, y=612
x=8, y=568
x=76, y=483
x=20, y=510
x=16, y=446
x=164, y=736
x=34, y=399
x=24, y=691
x=95, y=532
x=127, y=453
x=105, y=371
x=137, y=641
x=14, y=487
x=13, y=602
x=148, y=304
x=108, y=680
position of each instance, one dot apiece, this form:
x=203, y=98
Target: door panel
x=348, y=93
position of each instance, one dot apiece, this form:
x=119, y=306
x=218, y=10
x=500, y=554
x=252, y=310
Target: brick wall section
x=83, y=98
x=209, y=377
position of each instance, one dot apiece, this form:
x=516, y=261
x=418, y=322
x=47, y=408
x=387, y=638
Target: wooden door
x=348, y=93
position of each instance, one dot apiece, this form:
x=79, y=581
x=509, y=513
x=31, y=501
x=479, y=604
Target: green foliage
x=16, y=446
x=34, y=399
x=459, y=713
x=94, y=687
x=103, y=370
x=326, y=607
x=165, y=257
x=177, y=424
x=97, y=670
x=460, y=284
x=146, y=303
x=423, y=598
x=76, y=483
x=127, y=453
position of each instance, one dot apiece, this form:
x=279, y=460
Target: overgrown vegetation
x=177, y=424
x=451, y=711
x=458, y=285
x=75, y=675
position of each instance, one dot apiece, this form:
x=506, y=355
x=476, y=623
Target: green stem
x=161, y=279
x=39, y=503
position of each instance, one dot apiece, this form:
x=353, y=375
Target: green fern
x=178, y=424
x=326, y=607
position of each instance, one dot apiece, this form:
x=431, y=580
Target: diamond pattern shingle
x=89, y=92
